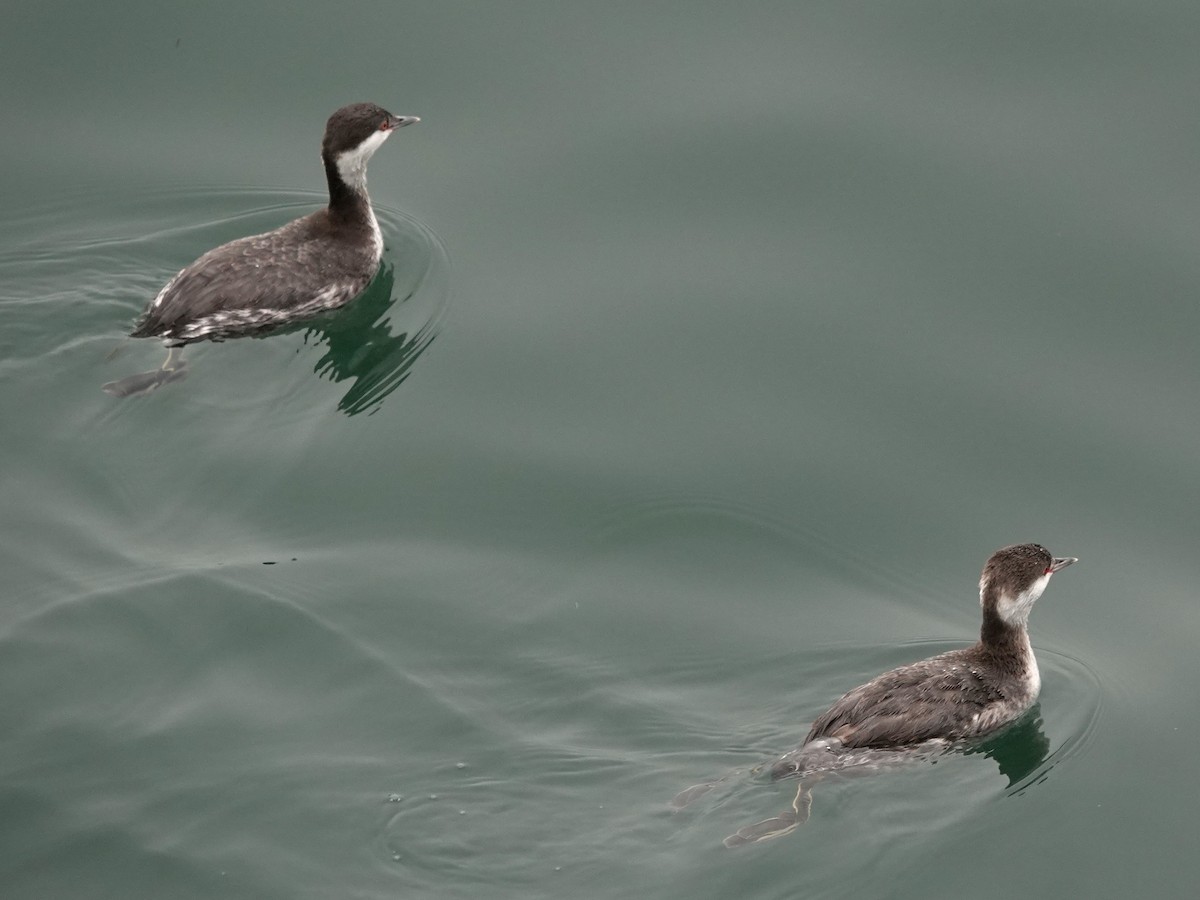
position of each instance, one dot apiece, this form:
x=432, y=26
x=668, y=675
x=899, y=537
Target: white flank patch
x=376, y=237
x=166, y=289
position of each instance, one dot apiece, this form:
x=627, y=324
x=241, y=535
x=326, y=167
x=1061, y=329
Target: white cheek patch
x=1015, y=610
x=352, y=164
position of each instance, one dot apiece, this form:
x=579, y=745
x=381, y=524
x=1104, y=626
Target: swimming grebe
x=318, y=262
x=929, y=704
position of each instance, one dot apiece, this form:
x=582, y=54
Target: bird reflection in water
x=360, y=346
x=1020, y=751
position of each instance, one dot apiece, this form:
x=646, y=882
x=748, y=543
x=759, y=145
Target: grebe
x=318, y=262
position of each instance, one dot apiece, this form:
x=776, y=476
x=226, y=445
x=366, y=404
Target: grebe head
x=353, y=134
x=1014, y=577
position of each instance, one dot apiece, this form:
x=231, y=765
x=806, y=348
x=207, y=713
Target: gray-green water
x=717, y=345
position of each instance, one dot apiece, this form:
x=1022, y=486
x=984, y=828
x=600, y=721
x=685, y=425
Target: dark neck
x=1003, y=641
x=998, y=633
x=346, y=204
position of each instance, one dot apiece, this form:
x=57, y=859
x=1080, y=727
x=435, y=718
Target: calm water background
x=716, y=347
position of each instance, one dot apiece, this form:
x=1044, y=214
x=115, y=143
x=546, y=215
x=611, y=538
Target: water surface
x=714, y=350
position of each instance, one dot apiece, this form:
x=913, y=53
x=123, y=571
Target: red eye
x=383, y=125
